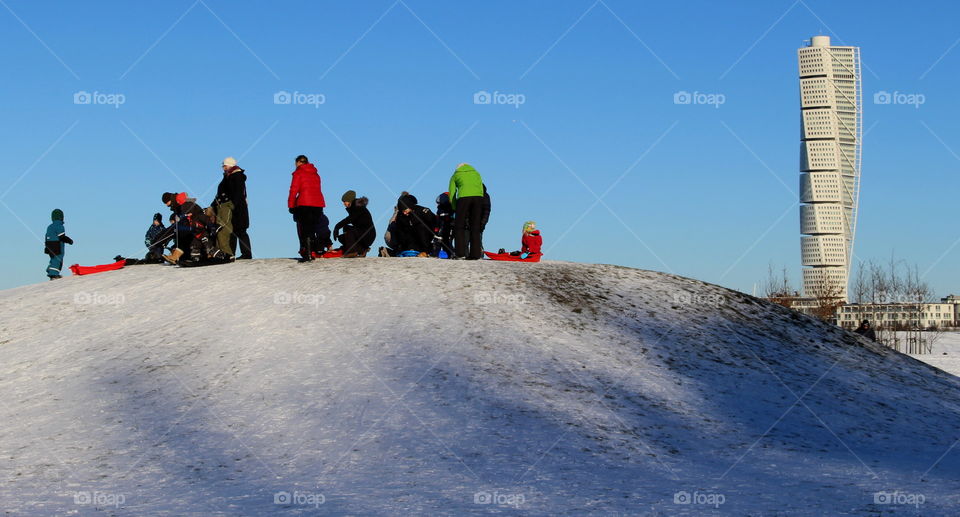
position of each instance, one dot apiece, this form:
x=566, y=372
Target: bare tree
x=827, y=299
x=860, y=288
x=778, y=289
x=898, y=295
x=916, y=294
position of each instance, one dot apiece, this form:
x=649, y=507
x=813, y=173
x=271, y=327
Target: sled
x=202, y=263
x=328, y=254
x=139, y=262
x=91, y=270
x=412, y=254
x=506, y=257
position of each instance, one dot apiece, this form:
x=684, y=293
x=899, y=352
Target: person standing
x=232, y=211
x=486, y=206
x=444, y=243
x=56, y=237
x=466, y=198
x=485, y=210
x=306, y=203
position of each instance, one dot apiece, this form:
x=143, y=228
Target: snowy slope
x=428, y=387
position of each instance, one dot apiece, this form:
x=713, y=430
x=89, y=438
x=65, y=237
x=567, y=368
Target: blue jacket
x=56, y=237
x=55, y=230
x=152, y=233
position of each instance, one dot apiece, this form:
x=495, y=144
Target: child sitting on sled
x=530, y=245
x=531, y=242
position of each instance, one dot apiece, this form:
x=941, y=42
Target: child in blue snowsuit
x=55, y=239
x=153, y=240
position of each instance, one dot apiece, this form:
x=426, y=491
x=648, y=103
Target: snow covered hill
x=427, y=387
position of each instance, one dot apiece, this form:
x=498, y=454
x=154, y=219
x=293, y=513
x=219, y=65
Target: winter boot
x=213, y=252
x=174, y=256
x=305, y=254
x=308, y=253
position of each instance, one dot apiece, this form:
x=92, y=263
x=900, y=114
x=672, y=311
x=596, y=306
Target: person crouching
x=192, y=230
x=358, y=231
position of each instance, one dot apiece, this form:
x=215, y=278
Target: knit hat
x=348, y=196
x=157, y=217
x=407, y=201
x=168, y=197
x=529, y=226
x=56, y=215
x=230, y=161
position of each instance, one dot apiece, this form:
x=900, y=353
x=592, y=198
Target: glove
x=291, y=210
x=336, y=237
x=64, y=238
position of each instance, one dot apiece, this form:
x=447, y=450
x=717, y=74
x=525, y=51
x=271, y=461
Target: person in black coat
x=866, y=330
x=358, y=231
x=232, y=211
x=444, y=241
x=415, y=226
x=485, y=207
x=193, y=234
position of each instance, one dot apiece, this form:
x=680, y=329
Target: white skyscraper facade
x=830, y=155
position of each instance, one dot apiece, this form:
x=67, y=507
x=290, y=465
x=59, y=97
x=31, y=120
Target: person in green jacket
x=466, y=198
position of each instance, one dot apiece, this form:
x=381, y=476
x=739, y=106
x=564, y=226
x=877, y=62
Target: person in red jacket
x=306, y=203
x=531, y=241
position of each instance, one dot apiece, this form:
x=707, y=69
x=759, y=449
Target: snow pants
x=312, y=227
x=56, y=264
x=225, y=220
x=467, y=229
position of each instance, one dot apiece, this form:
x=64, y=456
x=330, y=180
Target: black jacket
x=866, y=332
x=190, y=209
x=359, y=217
x=485, y=209
x=54, y=248
x=415, y=231
x=233, y=187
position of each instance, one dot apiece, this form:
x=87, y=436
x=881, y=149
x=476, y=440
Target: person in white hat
x=231, y=209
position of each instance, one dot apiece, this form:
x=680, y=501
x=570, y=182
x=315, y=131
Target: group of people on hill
x=414, y=230
x=216, y=234
x=213, y=234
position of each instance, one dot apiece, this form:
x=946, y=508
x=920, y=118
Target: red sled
x=506, y=257
x=90, y=270
x=329, y=254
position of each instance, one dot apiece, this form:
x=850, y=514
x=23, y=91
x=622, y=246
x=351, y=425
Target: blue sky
x=598, y=153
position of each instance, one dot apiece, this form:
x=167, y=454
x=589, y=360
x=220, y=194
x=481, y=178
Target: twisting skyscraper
x=830, y=156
